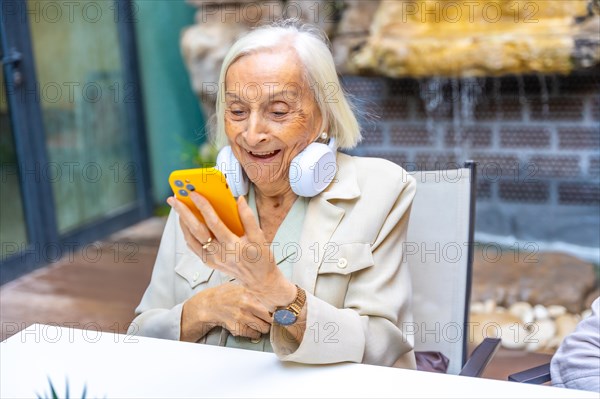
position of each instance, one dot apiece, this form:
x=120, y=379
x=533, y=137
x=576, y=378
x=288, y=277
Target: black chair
x=535, y=375
x=480, y=358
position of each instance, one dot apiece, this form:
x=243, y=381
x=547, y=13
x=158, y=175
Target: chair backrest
x=439, y=252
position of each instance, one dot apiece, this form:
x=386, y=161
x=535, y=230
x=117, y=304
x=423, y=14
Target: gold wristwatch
x=288, y=315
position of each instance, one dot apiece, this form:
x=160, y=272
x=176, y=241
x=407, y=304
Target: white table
x=117, y=366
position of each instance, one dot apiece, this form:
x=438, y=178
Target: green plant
x=202, y=156
x=54, y=395
x=162, y=210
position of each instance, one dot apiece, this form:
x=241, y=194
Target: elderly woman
x=319, y=275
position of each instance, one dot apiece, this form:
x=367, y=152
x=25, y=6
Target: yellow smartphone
x=211, y=184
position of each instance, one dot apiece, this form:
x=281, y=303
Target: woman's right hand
x=230, y=306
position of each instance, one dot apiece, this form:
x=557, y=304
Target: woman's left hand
x=248, y=258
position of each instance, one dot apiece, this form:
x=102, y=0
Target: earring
x=324, y=135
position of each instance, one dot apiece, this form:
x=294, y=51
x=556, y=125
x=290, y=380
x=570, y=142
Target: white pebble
x=540, y=312
x=489, y=306
x=546, y=330
x=523, y=311
x=513, y=336
x=528, y=317
x=477, y=307
x=556, y=310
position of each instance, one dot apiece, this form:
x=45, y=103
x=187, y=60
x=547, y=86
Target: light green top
x=286, y=249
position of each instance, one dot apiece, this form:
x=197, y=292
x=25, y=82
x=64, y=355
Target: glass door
x=83, y=98
x=74, y=163
x=13, y=230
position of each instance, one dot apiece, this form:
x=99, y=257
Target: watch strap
x=296, y=306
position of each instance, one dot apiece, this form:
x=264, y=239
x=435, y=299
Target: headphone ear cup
x=313, y=170
x=228, y=164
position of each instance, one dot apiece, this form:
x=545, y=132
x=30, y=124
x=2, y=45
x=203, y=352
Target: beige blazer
x=350, y=262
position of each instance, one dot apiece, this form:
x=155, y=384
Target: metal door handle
x=14, y=58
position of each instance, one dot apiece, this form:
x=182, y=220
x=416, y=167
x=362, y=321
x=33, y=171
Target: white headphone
x=311, y=171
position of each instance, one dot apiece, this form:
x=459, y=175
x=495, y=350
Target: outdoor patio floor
x=100, y=286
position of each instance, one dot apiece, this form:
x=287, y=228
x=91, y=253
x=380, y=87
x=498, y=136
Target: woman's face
x=270, y=116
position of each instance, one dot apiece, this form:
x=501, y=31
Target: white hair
x=311, y=46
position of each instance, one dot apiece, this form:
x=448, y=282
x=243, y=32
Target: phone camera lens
x=178, y=183
x=183, y=193
x=190, y=187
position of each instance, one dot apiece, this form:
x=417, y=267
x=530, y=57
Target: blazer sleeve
x=158, y=314
x=368, y=328
x=576, y=364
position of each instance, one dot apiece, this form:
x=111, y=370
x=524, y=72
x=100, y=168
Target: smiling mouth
x=264, y=154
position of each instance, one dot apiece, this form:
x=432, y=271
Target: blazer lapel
x=322, y=219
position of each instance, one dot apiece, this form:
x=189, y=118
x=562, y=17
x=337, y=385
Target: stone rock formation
x=352, y=31
x=486, y=38
x=218, y=25
x=220, y=22
x=408, y=38
x=544, y=279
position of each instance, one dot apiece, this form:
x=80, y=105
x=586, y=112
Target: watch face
x=284, y=317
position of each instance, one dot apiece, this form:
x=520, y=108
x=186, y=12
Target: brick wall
x=536, y=140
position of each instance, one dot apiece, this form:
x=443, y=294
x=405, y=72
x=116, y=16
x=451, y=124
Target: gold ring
x=205, y=246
